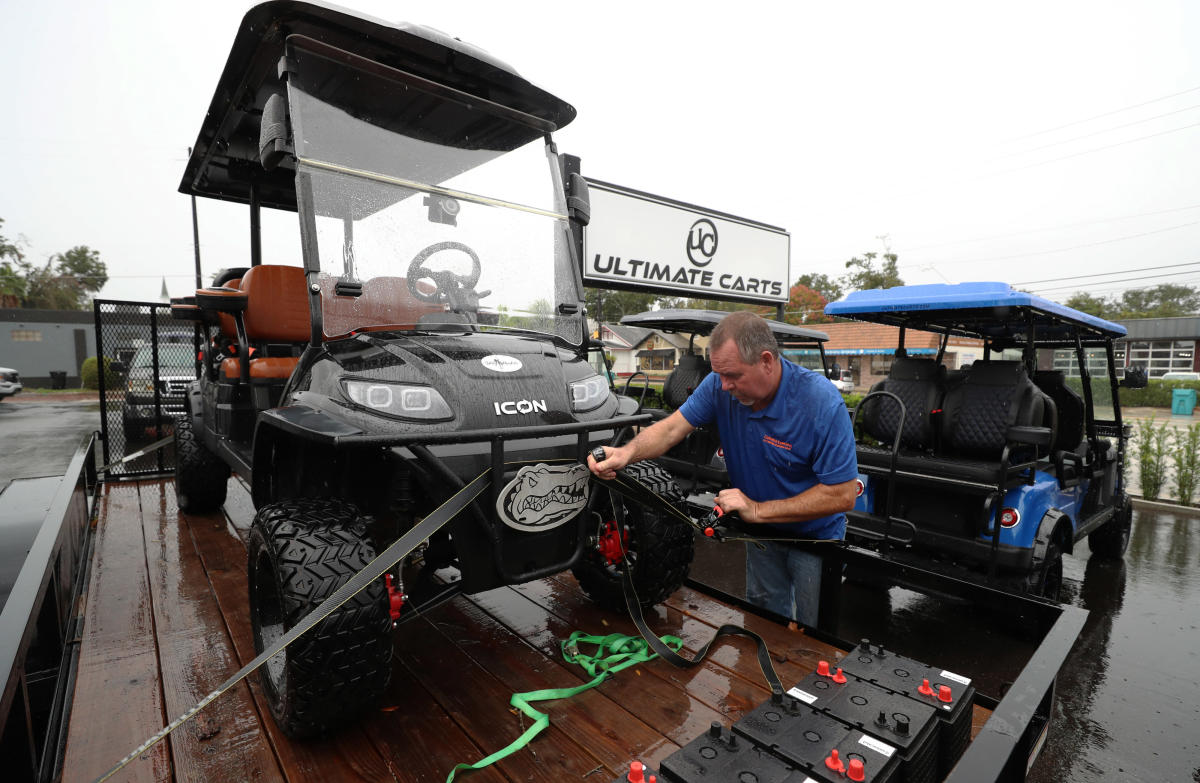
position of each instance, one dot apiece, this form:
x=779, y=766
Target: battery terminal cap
x=856, y=770
x=924, y=688
x=835, y=763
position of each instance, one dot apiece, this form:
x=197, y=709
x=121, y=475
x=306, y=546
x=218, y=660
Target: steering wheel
x=458, y=290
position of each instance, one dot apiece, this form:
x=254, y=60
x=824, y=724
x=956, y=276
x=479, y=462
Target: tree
x=805, y=306
x=66, y=282
x=12, y=281
x=863, y=275
x=610, y=306
x=1092, y=305
x=824, y=285
x=1167, y=300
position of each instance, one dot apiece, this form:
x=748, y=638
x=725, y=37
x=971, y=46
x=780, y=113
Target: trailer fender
x=1054, y=524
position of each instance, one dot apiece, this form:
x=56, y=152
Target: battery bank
x=950, y=694
x=720, y=756
x=911, y=727
x=817, y=742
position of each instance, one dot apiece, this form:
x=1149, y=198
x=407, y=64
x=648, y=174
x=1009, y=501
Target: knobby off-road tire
x=1111, y=539
x=201, y=478
x=1046, y=580
x=659, y=548
x=301, y=551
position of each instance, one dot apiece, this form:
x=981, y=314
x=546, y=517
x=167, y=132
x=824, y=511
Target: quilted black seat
x=920, y=384
x=684, y=379
x=992, y=398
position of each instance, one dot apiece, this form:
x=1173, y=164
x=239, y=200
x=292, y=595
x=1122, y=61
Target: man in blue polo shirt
x=789, y=447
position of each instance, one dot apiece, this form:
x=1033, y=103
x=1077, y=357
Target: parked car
x=10, y=382
x=843, y=382
x=176, y=370
x=1180, y=376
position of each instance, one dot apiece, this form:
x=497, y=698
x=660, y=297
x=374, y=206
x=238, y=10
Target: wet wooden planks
x=167, y=622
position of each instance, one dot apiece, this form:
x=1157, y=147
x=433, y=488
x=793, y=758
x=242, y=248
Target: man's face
x=750, y=384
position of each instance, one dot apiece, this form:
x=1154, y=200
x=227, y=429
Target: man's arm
x=651, y=442
x=817, y=501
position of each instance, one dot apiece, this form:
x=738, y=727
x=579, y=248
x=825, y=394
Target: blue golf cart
x=997, y=468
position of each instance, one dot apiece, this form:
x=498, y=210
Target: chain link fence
x=149, y=361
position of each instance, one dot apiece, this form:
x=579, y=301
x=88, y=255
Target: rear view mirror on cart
x=273, y=132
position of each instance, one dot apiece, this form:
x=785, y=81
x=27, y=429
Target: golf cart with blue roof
x=1000, y=467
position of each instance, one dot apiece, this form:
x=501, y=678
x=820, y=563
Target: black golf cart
x=435, y=330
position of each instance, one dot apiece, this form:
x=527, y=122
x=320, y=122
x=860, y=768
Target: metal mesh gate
x=151, y=361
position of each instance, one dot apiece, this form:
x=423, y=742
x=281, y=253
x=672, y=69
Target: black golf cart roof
x=990, y=311
x=702, y=322
x=224, y=163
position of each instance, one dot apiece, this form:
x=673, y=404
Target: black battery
x=824, y=747
x=950, y=694
x=720, y=756
x=912, y=728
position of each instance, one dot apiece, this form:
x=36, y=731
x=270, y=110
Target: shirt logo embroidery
x=776, y=442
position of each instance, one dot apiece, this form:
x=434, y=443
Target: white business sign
x=649, y=242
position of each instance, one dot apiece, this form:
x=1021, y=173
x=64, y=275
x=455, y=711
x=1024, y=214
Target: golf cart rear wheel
x=1111, y=539
x=1046, y=580
x=301, y=552
x=658, y=547
x=201, y=478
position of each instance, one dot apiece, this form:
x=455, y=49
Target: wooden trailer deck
x=167, y=622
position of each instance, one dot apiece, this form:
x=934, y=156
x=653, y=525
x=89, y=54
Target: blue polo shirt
x=802, y=438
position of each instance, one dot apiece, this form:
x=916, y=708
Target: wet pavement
x=1127, y=706
x=37, y=441
x=38, y=438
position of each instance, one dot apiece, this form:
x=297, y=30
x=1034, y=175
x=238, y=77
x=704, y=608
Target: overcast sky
x=1019, y=141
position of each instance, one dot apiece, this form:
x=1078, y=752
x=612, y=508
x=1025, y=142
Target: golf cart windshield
x=424, y=208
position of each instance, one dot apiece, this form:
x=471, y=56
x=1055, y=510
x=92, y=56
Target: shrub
x=91, y=378
x=1187, y=463
x=1152, y=445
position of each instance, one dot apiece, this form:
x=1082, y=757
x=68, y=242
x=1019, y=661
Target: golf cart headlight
x=588, y=394
x=411, y=402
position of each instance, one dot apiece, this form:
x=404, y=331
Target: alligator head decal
x=543, y=496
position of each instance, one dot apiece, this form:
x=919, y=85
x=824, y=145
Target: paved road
x=38, y=438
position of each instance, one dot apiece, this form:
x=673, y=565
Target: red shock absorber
x=395, y=597
x=613, y=543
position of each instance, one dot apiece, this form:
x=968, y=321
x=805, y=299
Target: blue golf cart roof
x=987, y=310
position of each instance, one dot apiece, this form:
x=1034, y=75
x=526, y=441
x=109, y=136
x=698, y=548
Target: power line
x=1095, y=133
x=1102, y=274
x=1109, y=282
x=1089, y=152
x=1051, y=228
x=1073, y=247
x=1101, y=116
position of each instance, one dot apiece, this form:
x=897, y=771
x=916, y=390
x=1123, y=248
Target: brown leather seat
x=276, y=305
x=265, y=368
x=228, y=327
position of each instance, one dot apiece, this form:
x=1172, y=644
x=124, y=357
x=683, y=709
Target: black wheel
x=659, y=548
x=1111, y=539
x=1045, y=580
x=201, y=478
x=301, y=552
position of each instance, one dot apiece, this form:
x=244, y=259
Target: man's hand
x=615, y=459
x=735, y=500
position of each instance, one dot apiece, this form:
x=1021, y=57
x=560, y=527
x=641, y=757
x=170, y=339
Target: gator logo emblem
x=543, y=496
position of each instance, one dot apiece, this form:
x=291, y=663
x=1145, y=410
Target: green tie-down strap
x=613, y=653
